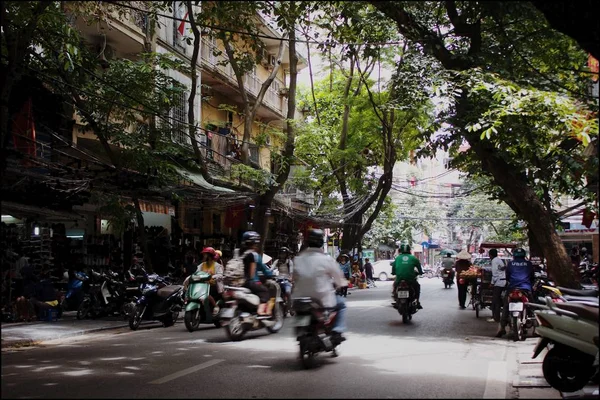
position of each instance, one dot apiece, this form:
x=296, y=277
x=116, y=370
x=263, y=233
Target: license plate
x=302, y=320
x=227, y=313
x=515, y=306
x=445, y=275
x=403, y=294
x=478, y=280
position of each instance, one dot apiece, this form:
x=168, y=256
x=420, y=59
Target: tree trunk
x=139, y=216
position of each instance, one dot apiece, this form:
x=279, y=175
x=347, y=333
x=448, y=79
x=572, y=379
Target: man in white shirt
x=315, y=274
x=499, y=283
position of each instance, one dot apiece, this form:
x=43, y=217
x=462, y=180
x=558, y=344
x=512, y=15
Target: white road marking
x=186, y=372
x=497, y=378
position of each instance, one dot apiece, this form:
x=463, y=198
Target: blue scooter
x=75, y=291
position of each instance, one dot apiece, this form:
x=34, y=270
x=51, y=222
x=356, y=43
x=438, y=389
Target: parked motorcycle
x=239, y=313
x=406, y=302
x=104, y=296
x=75, y=291
x=571, y=332
x=447, y=278
x=159, y=301
x=313, y=330
x=198, y=309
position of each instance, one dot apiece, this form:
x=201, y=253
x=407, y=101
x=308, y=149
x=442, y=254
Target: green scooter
x=197, y=305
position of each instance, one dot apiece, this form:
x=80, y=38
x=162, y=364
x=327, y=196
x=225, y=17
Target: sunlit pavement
x=444, y=352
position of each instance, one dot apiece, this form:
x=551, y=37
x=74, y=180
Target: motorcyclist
x=285, y=266
x=252, y=264
x=313, y=275
x=404, y=268
x=212, y=266
x=345, y=267
x=447, y=265
x=519, y=275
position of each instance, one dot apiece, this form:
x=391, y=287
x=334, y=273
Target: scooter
x=447, y=278
x=75, y=291
x=406, y=302
x=239, y=313
x=571, y=332
x=197, y=305
x=159, y=301
x=313, y=330
x=521, y=316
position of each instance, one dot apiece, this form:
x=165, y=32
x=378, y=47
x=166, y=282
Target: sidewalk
x=28, y=333
x=529, y=382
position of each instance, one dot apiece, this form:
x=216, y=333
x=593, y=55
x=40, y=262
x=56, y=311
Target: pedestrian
x=369, y=270
x=463, y=263
x=575, y=261
x=498, y=283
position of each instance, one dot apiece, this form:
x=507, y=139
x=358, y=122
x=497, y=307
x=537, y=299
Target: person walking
x=498, y=282
x=369, y=272
x=463, y=263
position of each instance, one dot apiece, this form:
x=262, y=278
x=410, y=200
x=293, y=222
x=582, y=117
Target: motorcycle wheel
x=235, y=328
x=477, y=308
x=307, y=357
x=192, y=319
x=516, y=328
x=278, y=310
x=135, y=319
x=170, y=319
x=84, y=309
x=567, y=369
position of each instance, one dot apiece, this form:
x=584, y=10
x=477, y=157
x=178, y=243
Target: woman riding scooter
x=211, y=266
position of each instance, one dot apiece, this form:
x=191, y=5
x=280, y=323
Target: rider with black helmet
x=519, y=275
x=314, y=272
x=252, y=264
x=404, y=268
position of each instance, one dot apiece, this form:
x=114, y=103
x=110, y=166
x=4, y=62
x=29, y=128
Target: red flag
x=181, y=27
x=234, y=216
x=588, y=218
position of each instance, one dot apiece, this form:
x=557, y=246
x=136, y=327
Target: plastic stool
x=49, y=315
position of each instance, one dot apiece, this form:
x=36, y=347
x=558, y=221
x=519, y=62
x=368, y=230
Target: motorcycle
x=287, y=301
x=570, y=330
x=76, y=289
x=521, y=316
x=239, y=313
x=313, y=326
x=159, y=301
x=406, y=302
x=104, y=297
x=447, y=277
x=198, y=309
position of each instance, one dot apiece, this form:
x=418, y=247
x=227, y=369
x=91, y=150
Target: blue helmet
x=519, y=252
x=250, y=238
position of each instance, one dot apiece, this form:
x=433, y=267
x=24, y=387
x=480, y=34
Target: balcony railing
x=221, y=64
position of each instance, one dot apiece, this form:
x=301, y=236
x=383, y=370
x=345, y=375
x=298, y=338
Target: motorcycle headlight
x=148, y=288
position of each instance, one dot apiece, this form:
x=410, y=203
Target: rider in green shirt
x=404, y=268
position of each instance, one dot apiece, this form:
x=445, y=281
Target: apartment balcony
x=223, y=79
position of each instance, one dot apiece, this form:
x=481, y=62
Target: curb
x=30, y=342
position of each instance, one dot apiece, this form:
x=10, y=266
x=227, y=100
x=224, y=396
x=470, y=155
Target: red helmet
x=210, y=250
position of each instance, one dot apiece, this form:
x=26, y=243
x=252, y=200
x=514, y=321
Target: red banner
x=588, y=218
x=23, y=129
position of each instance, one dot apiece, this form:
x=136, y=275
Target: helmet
x=209, y=250
x=519, y=252
x=583, y=250
x=315, y=238
x=344, y=255
x=250, y=238
x=493, y=253
x=284, y=250
x=404, y=248
x=218, y=254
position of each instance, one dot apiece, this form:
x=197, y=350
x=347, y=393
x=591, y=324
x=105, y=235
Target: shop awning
x=29, y=211
x=199, y=180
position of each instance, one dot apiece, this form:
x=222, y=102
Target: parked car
x=382, y=270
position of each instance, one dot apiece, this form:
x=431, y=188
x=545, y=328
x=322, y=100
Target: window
x=253, y=153
x=193, y=218
x=216, y=223
x=179, y=119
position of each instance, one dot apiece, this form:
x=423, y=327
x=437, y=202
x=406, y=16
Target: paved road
x=444, y=352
